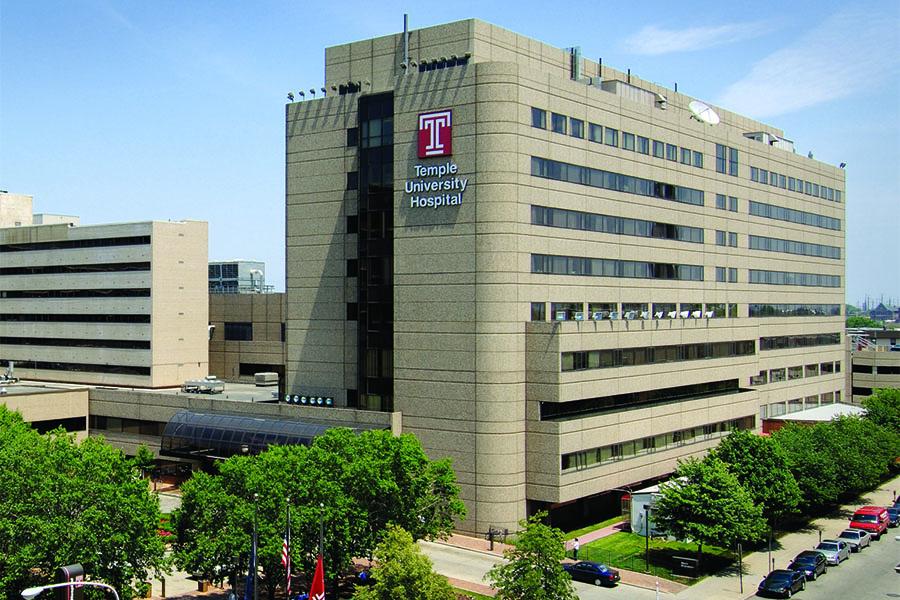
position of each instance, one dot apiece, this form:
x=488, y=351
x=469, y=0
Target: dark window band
x=75, y=343
x=768, y=244
x=90, y=268
x=779, y=213
x=789, y=278
x=607, y=180
x=795, y=310
x=577, y=409
x=104, y=293
x=137, y=240
x=582, y=221
x=583, y=360
x=783, y=342
x=73, y=318
x=80, y=367
x=608, y=267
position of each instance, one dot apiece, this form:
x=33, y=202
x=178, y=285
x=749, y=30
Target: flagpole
x=288, y=583
x=321, y=529
x=255, y=545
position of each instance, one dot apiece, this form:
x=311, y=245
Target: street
x=868, y=575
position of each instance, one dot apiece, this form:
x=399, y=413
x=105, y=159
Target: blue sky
x=135, y=110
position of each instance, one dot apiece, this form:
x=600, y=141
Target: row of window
x=75, y=342
x=99, y=293
x=726, y=238
x=130, y=426
x=726, y=160
x=664, y=441
x=779, y=213
x=757, y=242
x=607, y=180
x=81, y=367
x=724, y=202
x=877, y=369
x=582, y=360
x=782, y=342
x=726, y=274
x=609, y=267
x=573, y=219
x=788, y=278
x=794, y=185
x=588, y=407
x=223, y=271
x=797, y=404
x=797, y=372
x=87, y=268
x=795, y=310
x=75, y=318
x=136, y=240
x=598, y=311
x=610, y=137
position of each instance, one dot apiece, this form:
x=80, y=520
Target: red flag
x=317, y=591
x=286, y=561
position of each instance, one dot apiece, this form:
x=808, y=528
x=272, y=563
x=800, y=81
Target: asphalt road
x=868, y=575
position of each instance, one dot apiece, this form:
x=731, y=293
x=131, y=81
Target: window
x=720, y=158
x=352, y=267
x=761, y=379
x=720, y=201
x=538, y=311
x=566, y=311
x=352, y=311
x=643, y=145
x=570, y=219
x=576, y=127
x=377, y=132
x=732, y=275
x=795, y=372
x=733, y=162
x=611, y=137
x=625, y=357
x=698, y=159
x=353, y=137
x=718, y=310
x=659, y=149
x=732, y=239
x=720, y=238
x=799, y=341
x=595, y=133
x=353, y=180
x=239, y=332
x=754, y=173
x=671, y=152
x=777, y=375
x=538, y=118
x=685, y=156
x=627, y=141
x=732, y=204
x=558, y=123
x=352, y=223
x=779, y=213
x=720, y=274
x=793, y=247
x=827, y=368
x=812, y=370
x=789, y=278
x=732, y=311
x=795, y=310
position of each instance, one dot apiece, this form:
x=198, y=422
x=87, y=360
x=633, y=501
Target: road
x=469, y=565
x=868, y=575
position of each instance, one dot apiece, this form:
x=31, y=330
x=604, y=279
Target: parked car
x=782, y=582
x=893, y=516
x=811, y=563
x=835, y=551
x=873, y=519
x=856, y=538
x=592, y=572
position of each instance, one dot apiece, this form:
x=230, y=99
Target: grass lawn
x=580, y=532
x=466, y=594
x=627, y=551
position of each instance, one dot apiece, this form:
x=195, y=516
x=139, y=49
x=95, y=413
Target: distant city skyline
x=128, y=111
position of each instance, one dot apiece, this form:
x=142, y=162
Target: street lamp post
x=32, y=592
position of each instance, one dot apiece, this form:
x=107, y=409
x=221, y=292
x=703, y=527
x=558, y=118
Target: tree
x=355, y=485
x=762, y=469
x=64, y=502
x=863, y=321
x=704, y=502
x=808, y=451
x=533, y=568
x=402, y=572
x=883, y=408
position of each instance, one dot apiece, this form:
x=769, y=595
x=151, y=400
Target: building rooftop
x=826, y=412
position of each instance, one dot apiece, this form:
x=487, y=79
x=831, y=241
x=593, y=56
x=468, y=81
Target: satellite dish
x=703, y=113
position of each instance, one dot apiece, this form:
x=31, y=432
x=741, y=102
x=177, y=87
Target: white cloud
x=654, y=40
x=851, y=52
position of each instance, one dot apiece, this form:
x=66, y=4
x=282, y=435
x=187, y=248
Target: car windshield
x=827, y=546
x=778, y=576
x=849, y=534
x=865, y=518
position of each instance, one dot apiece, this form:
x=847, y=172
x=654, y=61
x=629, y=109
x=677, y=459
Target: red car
x=873, y=519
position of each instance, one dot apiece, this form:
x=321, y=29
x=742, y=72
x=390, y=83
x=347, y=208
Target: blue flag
x=251, y=572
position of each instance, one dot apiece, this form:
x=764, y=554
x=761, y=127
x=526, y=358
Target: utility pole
x=647, y=531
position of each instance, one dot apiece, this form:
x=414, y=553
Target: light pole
x=32, y=592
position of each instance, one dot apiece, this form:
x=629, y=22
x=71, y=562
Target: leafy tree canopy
x=704, y=502
x=883, y=408
x=65, y=502
x=533, y=570
x=402, y=572
x=863, y=321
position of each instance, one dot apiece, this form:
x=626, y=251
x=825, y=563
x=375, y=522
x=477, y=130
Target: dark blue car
x=782, y=583
x=811, y=563
x=592, y=572
x=893, y=516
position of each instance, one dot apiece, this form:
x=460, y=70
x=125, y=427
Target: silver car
x=835, y=551
x=856, y=538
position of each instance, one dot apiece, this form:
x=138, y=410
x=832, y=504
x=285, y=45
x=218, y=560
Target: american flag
x=286, y=560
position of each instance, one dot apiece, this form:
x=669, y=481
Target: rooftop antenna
x=405, y=39
x=629, y=76
x=703, y=113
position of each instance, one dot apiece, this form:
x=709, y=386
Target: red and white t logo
x=435, y=134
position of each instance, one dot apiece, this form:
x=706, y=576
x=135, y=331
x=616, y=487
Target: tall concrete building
x=564, y=277
x=119, y=304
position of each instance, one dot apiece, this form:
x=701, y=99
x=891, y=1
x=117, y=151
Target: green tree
x=883, y=408
x=808, y=451
x=402, y=572
x=64, y=502
x=533, y=568
x=762, y=469
x=863, y=321
x=705, y=503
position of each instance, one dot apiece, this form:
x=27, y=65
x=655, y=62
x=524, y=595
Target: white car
x=835, y=551
x=856, y=538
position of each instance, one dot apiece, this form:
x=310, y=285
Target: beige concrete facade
x=15, y=209
x=47, y=407
x=474, y=377
x=120, y=304
x=238, y=360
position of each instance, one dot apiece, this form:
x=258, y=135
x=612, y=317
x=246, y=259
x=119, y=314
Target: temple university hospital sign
x=435, y=185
